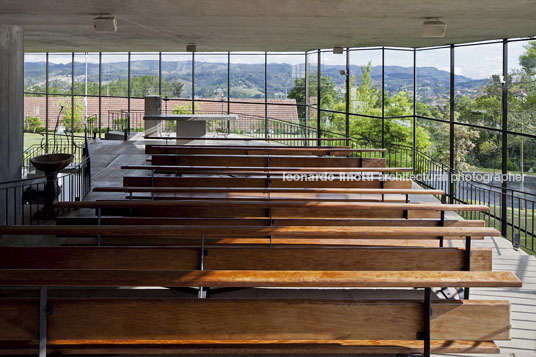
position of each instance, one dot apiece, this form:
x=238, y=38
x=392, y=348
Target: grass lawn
x=31, y=139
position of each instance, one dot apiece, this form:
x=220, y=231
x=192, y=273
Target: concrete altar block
x=153, y=106
x=190, y=129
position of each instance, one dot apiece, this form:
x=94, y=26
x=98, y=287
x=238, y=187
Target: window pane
x=247, y=76
x=34, y=104
x=522, y=87
x=177, y=75
x=312, y=71
x=143, y=74
x=398, y=83
x=433, y=83
x=478, y=84
x=34, y=72
x=477, y=150
x=115, y=74
x=59, y=73
x=286, y=87
x=365, y=95
x=435, y=139
x=211, y=76
x=86, y=63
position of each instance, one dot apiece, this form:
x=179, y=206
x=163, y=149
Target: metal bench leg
x=43, y=312
x=427, y=319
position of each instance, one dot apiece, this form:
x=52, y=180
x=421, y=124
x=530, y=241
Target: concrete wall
x=11, y=116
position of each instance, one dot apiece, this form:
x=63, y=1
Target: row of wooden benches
x=292, y=238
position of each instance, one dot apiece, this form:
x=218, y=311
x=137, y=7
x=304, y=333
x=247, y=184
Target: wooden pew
x=86, y=322
x=265, y=161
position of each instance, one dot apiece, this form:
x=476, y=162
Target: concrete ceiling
x=262, y=25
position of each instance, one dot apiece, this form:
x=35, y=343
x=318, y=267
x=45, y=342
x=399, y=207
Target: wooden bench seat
x=297, y=232
x=125, y=240
x=256, y=278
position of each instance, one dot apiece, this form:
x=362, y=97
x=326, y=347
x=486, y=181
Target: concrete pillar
x=153, y=105
x=11, y=111
x=11, y=101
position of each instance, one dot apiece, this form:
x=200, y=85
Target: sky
x=477, y=62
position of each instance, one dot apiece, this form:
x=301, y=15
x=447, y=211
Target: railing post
x=318, y=97
x=414, y=124
x=347, y=121
x=504, y=166
x=451, y=128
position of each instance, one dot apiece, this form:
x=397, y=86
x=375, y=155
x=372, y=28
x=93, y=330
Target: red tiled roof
x=248, y=110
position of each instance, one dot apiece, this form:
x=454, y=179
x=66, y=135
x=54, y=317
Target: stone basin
x=50, y=163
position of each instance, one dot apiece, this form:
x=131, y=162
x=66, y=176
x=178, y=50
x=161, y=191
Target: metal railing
x=21, y=200
x=63, y=146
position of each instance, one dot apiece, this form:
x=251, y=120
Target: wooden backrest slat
x=257, y=150
x=243, y=258
x=264, y=160
x=265, y=169
x=364, y=191
x=249, y=182
x=193, y=221
x=279, y=203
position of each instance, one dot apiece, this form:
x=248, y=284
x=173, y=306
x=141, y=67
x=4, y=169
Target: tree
x=528, y=59
x=78, y=123
x=328, y=93
x=175, y=88
x=33, y=124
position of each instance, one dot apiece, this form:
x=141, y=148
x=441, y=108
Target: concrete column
x=153, y=105
x=11, y=116
x=11, y=101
